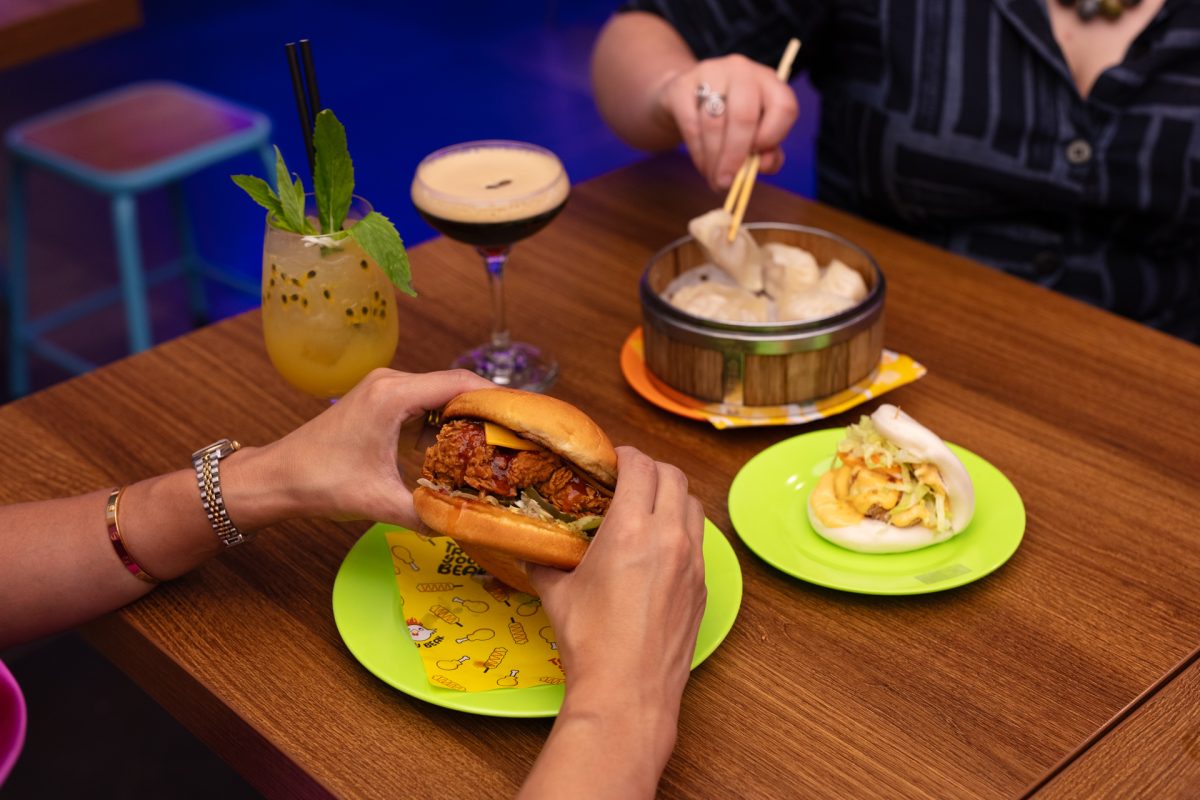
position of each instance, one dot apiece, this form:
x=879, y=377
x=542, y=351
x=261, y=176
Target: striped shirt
x=958, y=121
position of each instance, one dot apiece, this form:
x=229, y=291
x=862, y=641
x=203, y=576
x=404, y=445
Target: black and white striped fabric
x=958, y=121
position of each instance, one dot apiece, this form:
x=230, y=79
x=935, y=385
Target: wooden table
x=976, y=692
x=30, y=29
x=1152, y=749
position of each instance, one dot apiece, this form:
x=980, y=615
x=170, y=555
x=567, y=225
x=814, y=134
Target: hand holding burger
x=514, y=477
x=528, y=486
x=626, y=620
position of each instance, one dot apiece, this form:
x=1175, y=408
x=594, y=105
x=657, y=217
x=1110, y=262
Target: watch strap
x=207, y=462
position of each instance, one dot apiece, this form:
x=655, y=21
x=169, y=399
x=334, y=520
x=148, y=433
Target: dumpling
x=741, y=258
x=701, y=274
x=812, y=304
x=718, y=301
x=788, y=269
x=842, y=280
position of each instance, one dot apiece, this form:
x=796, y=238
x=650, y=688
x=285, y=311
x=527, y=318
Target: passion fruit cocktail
x=331, y=265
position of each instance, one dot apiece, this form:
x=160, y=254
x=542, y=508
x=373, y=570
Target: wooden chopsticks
x=743, y=182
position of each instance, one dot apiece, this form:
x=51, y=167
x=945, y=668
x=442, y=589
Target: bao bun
x=499, y=539
x=877, y=536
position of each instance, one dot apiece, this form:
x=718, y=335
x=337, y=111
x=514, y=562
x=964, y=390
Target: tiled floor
x=405, y=78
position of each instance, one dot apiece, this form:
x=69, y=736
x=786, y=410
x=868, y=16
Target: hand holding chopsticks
x=743, y=182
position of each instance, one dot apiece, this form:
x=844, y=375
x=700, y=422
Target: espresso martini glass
x=492, y=194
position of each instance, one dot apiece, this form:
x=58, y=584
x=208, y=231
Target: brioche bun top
x=554, y=424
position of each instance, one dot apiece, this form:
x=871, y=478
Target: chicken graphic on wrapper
x=419, y=632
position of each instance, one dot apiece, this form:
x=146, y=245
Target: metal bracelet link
x=207, y=462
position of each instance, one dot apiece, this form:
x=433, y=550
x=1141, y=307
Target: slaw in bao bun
x=894, y=486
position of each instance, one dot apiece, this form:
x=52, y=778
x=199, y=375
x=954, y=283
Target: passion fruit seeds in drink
x=329, y=264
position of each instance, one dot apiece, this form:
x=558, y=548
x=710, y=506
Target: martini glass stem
x=494, y=259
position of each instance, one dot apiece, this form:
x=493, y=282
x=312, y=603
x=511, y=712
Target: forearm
x=605, y=746
x=60, y=568
x=635, y=55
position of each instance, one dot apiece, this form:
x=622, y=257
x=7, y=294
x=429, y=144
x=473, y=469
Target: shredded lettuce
x=864, y=445
x=529, y=504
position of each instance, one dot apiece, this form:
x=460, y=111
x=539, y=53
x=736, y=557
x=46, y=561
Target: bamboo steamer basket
x=761, y=364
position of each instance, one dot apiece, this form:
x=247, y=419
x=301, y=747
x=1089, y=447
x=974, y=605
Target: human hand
x=342, y=463
x=627, y=617
x=759, y=111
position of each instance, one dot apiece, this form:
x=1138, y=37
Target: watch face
x=222, y=448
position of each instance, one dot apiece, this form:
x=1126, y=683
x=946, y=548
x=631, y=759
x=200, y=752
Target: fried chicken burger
x=516, y=477
x=894, y=486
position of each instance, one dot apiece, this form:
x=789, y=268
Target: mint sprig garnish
x=333, y=173
x=260, y=192
x=378, y=236
x=333, y=179
x=291, y=198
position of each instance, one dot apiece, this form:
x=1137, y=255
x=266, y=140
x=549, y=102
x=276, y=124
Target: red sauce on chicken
x=461, y=457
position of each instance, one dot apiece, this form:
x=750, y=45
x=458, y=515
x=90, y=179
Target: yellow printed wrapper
x=474, y=633
x=894, y=370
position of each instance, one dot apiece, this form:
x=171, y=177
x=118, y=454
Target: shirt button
x=1079, y=152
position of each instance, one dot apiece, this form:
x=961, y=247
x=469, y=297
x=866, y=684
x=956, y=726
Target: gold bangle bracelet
x=114, y=535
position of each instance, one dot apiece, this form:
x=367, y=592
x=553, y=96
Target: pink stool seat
x=122, y=143
x=138, y=136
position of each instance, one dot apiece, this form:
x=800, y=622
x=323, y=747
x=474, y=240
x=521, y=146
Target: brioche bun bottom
x=502, y=567
x=475, y=522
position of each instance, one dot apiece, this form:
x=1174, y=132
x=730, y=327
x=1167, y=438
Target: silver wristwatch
x=207, y=461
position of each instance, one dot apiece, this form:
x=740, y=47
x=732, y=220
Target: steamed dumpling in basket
x=842, y=280
x=715, y=300
x=811, y=304
x=788, y=269
x=741, y=258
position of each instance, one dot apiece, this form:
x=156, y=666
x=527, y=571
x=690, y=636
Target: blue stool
x=121, y=143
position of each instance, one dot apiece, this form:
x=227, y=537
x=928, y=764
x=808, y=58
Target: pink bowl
x=12, y=721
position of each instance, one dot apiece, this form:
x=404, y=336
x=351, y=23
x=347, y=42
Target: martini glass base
x=516, y=366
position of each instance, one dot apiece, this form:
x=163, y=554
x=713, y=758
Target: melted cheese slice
x=499, y=436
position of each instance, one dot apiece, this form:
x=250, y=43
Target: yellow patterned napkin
x=894, y=370
x=474, y=633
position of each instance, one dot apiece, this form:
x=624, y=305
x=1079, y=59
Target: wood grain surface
x=974, y=692
x=1154, y=752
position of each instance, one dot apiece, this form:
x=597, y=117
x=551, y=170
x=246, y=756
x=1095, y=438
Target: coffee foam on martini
x=490, y=184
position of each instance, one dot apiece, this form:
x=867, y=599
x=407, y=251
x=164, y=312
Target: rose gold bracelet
x=114, y=535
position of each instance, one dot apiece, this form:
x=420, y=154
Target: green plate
x=367, y=612
x=768, y=506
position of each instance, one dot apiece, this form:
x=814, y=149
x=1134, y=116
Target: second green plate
x=768, y=505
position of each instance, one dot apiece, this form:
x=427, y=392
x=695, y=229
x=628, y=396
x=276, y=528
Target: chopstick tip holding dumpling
x=774, y=282
x=740, y=258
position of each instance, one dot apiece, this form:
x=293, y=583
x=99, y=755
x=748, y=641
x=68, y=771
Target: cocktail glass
x=491, y=194
x=328, y=310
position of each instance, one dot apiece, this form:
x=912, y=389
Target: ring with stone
x=714, y=104
x=703, y=92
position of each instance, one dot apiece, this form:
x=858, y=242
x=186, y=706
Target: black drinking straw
x=306, y=111
x=310, y=78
